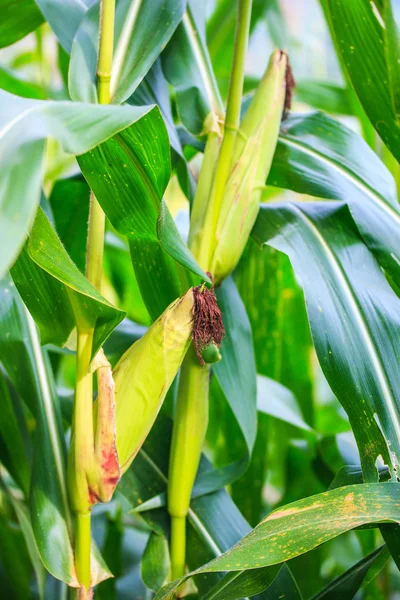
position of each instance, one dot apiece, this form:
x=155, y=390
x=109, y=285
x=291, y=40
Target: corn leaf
x=236, y=372
x=24, y=126
x=361, y=35
x=19, y=17
x=301, y=526
x=142, y=29
x=214, y=522
x=20, y=352
x=14, y=455
x=55, y=291
x=346, y=586
x=349, y=312
x=71, y=218
x=129, y=184
x=173, y=244
x=64, y=17
x=155, y=564
x=319, y=156
x=188, y=68
x=154, y=90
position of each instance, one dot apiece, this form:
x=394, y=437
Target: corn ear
x=144, y=374
x=254, y=149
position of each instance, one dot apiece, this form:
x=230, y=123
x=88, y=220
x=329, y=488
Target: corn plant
x=199, y=302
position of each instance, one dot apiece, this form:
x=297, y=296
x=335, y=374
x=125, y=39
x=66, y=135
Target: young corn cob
x=144, y=374
x=253, y=152
x=128, y=401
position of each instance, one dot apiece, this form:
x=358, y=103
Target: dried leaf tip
x=208, y=327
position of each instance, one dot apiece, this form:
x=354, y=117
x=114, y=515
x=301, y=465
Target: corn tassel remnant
x=208, y=328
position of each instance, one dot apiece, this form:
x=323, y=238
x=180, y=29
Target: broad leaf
x=56, y=293
x=214, y=522
x=14, y=456
x=128, y=175
x=346, y=586
x=236, y=372
x=274, y=303
x=64, y=17
x=351, y=307
x=173, y=244
x=20, y=352
x=142, y=29
x=276, y=400
x=24, y=126
x=18, y=18
x=155, y=565
x=154, y=90
x=71, y=218
x=301, y=526
x=360, y=34
x=24, y=521
x=11, y=82
x=188, y=68
x=318, y=155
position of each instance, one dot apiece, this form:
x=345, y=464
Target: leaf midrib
x=350, y=175
x=356, y=310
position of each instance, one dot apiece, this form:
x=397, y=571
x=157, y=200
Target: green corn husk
x=144, y=374
x=254, y=149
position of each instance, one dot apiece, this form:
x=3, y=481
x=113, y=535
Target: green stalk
x=191, y=413
x=95, y=245
x=190, y=427
x=82, y=463
x=232, y=122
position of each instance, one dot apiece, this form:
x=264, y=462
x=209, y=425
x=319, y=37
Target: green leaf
x=24, y=126
x=319, y=156
x=275, y=304
x=128, y=175
x=276, y=400
x=18, y=18
x=156, y=562
x=241, y=584
x=188, y=68
x=142, y=29
x=214, y=522
x=351, y=307
x=391, y=17
x=352, y=474
x=27, y=531
x=55, y=291
x=12, y=83
x=173, y=244
x=14, y=559
x=324, y=95
x=359, y=32
x=64, y=17
x=20, y=352
x=346, y=586
x=15, y=459
x=71, y=218
x=154, y=90
x=301, y=526
x=236, y=372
